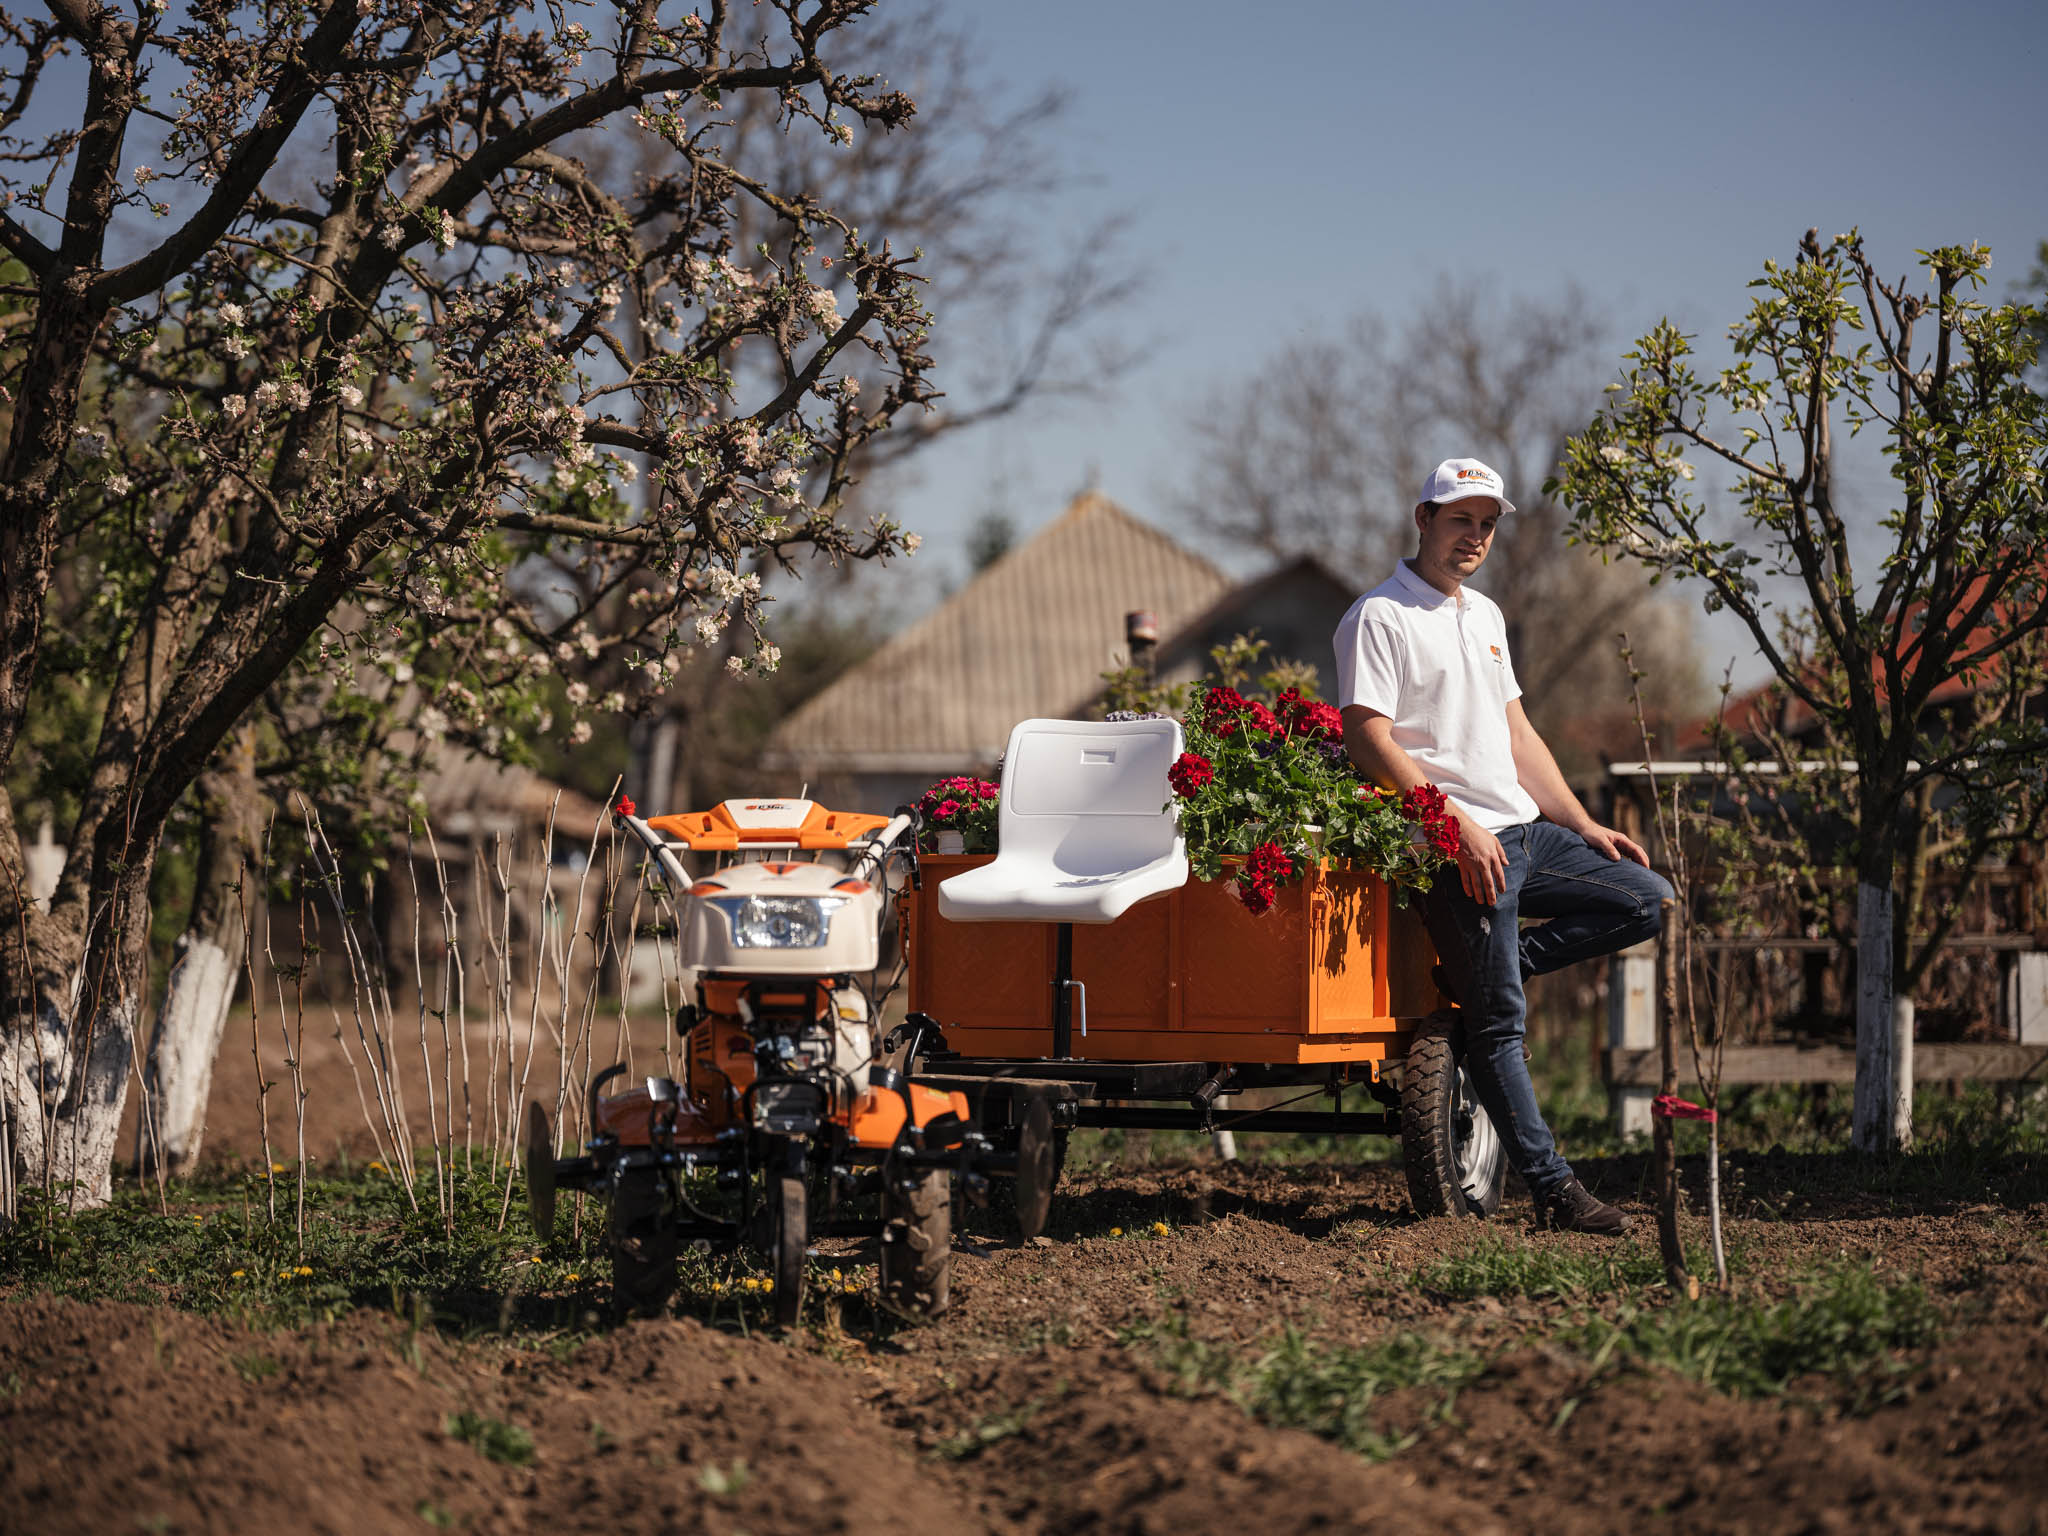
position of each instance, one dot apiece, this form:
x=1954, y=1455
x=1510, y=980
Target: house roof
x=1033, y=632
x=1300, y=572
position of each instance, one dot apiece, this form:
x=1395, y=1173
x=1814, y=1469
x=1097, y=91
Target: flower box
x=1334, y=971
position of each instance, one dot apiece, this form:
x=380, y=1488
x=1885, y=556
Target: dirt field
x=1087, y=1384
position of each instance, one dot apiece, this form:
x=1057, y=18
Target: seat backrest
x=1090, y=796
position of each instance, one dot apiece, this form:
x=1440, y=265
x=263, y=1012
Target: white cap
x=1455, y=479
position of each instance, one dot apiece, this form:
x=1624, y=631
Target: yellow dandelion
x=836, y=1276
x=277, y=1167
x=200, y=1220
x=284, y=1274
x=767, y=1285
x=375, y=1166
x=150, y=1268
x=303, y=1269
x=1116, y=1231
x=534, y=1260
x=1161, y=1228
x=238, y=1274
x=572, y=1276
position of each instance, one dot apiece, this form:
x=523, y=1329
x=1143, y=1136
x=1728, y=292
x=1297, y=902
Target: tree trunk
x=64, y=1071
x=1873, y=1128
x=178, y=1077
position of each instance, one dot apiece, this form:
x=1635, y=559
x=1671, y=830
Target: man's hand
x=1616, y=845
x=1482, y=862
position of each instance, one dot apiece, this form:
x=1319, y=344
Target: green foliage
x=1496, y=1266
x=494, y=1439
x=1829, y=351
x=1328, y=1392
x=1282, y=777
x=1845, y=1323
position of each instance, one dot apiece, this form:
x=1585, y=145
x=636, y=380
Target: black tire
x=1453, y=1156
x=792, y=1223
x=917, y=1242
x=642, y=1232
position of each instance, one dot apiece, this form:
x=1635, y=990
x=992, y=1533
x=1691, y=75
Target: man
x=1429, y=697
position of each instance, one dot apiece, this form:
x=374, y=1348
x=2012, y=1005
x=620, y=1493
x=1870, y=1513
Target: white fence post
x=2026, y=997
x=1632, y=1026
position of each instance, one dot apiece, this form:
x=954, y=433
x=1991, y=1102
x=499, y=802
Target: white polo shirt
x=1438, y=668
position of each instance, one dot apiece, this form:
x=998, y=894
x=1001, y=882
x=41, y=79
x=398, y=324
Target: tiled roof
x=1028, y=636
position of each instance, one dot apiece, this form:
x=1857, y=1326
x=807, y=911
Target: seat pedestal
x=1063, y=994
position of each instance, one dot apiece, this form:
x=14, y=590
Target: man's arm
x=1541, y=777
x=1369, y=737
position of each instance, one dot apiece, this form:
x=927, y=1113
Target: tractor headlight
x=778, y=922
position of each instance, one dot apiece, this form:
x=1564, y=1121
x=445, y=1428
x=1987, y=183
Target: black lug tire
x=1431, y=1090
x=642, y=1233
x=792, y=1223
x=917, y=1243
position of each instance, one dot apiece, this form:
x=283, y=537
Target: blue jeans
x=1595, y=906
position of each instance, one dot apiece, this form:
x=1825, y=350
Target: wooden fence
x=1631, y=1066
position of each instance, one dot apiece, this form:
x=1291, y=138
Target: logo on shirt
x=1498, y=659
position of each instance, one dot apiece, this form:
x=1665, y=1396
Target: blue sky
x=1288, y=164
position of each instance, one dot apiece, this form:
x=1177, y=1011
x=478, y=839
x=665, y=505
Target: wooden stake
x=1663, y=1130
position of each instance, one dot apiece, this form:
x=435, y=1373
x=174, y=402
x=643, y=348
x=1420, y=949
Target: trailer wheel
x=1040, y=1152
x=642, y=1231
x=1450, y=1150
x=917, y=1242
x=792, y=1220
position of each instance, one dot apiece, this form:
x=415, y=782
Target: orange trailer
x=1189, y=997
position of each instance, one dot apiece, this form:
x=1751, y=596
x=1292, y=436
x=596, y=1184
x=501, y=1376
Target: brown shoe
x=1569, y=1208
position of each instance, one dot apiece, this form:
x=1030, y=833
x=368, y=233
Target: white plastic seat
x=1087, y=827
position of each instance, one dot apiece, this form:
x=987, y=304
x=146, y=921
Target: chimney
x=1141, y=634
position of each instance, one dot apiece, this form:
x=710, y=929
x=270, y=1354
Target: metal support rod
x=1133, y=1117
x=1062, y=996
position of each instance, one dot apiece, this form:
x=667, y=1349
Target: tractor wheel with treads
x=917, y=1242
x=792, y=1222
x=642, y=1231
x=1453, y=1156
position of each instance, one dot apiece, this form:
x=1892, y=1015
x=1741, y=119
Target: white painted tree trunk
x=1902, y=1072
x=61, y=1117
x=1873, y=1127
x=197, y=996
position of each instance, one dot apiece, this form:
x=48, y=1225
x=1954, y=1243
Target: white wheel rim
x=1477, y=1152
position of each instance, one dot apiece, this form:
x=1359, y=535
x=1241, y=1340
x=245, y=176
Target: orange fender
x=878, y=1115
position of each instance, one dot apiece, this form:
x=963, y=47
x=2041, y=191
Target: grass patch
x=1843, y=1323
x=495, y=1440
x=1499, y=1266
x=211, y=1247
x=1328, y=1392
x=979, y=1436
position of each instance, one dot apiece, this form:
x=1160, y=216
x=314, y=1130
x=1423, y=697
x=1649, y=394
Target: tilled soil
x=1036, y=1405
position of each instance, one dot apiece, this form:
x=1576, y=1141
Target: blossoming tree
x=1917, y=638
x=357, y=342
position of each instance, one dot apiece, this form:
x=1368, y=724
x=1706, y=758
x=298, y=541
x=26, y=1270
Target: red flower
x=1269, y=861
x=1266, y=867
x=1189, y=773
x=1426, y=806
x=1220, y=709
x=948, y=809
x=625, y=805
x=1315, y=719
x=1259, y=718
